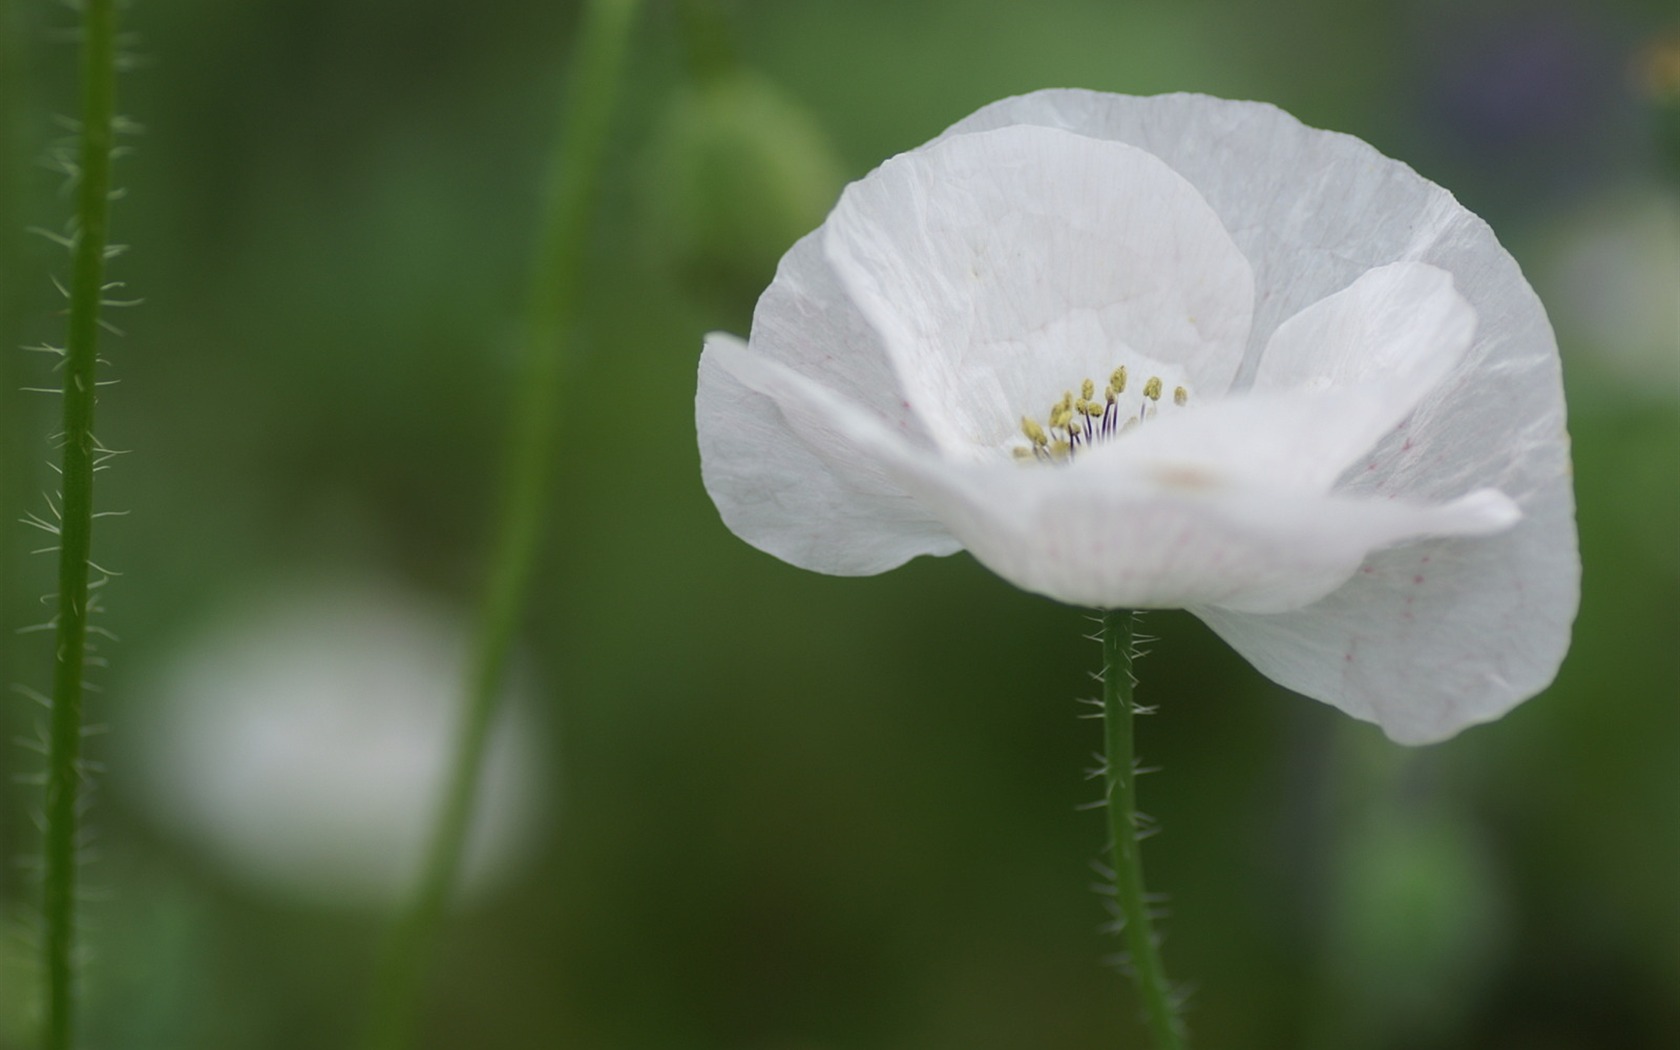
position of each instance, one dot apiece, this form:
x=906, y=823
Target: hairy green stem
x=80, y=454
x=13, y=432
x=1120, y=781
x=12, y=150
x=570, y=198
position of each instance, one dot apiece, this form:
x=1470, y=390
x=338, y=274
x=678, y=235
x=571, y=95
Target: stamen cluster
x=1084, y=420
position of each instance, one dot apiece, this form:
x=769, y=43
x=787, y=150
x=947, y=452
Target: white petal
x=1284, y=440
x=787, y=483
x=1402, y=324
x=1343, y=373
x=806, y=320
x=1426, y=639
x=1111, y=530
x=814, y=505
x=1173, y=541
x=1002, y=268
x=1312, y=210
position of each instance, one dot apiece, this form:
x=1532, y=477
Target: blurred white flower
x=304, y=742
x=1174, y=352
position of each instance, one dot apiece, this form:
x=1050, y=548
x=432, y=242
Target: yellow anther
x=1021, y=452
x=1110, y=394
x=1060, y=450
x=1082, y=407
x=1152, y=389
x=1034, y=432
x=1087, y=390
x=1094, y=409
x=1118, y=380
x=1180, y=395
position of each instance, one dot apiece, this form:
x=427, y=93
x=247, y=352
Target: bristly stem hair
x=81, y=455
x=1120, y=773
x=569, y=205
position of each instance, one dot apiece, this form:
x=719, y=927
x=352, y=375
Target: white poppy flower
x=1338, y=437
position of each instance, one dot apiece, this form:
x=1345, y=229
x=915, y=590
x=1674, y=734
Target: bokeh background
x=754, y=808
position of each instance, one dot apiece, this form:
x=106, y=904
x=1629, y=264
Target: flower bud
x=736, y=173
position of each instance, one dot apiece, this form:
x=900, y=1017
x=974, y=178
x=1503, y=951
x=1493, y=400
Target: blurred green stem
x=80, y=453
x=1120, y=780
x=570, y=197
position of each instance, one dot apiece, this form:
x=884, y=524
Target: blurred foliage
x=796, y=812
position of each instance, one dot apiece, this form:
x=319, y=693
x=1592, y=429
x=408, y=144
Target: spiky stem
x=1120, y=781
x=598, y=62
x=80, y=451
x=15, y=424
x=13, y=79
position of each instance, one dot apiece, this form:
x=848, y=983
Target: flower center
x=1083, y=421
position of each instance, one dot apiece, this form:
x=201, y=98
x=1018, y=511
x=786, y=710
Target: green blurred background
x=785, y=811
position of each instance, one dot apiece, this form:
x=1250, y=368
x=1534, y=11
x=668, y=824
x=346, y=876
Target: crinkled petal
x=1287, y=440
x=1423, y=647
x=806, y=320
x=1000, y=269
x=785, y=482
x=1402, y=325
x=1170, y=541
x=1108, y=531
x=1423, y=640
x=1377, y=348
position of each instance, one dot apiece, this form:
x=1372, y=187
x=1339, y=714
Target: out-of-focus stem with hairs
x=593, y=87
x=81, y=454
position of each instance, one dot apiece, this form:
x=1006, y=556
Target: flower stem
x=65, y=772
x=569, y=206
x=13, y=419
x=1120, y=781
